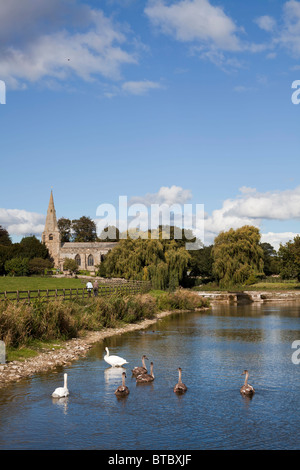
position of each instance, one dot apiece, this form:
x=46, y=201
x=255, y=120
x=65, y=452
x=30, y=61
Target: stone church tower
x=88, y=255
x=51, y=234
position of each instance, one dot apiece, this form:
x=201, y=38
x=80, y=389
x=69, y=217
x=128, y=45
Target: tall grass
x=21, y=323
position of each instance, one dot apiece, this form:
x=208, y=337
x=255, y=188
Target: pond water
x=212, y=348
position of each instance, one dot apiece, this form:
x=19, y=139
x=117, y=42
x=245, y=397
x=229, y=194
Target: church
x=86, y=254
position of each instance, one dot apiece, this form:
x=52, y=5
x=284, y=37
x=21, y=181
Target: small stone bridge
x=242, y=297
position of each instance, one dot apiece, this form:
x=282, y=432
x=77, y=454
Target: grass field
x=8, y=283
x=29, y=288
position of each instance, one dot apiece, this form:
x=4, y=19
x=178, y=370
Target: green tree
x=163, y=262
x=238, y=256
x=201, y=263
x=65, y=227
x=4, y=237
x=84, y=230
x=6, y=252
x=271, y=259
x=289, y=255
x=17, y=267
x=70, y=265
x=39, y=265
x=30, y=247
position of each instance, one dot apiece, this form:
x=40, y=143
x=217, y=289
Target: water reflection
x=113, y=374
x=61, y=403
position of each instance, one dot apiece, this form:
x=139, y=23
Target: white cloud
x=195, y=20
x=285, y=31
x=290, y=34
x=59, y=39
x=267, y=23
x=210, y=32
x=276, y=205
x=140, y=87
x=165, y=195
x=252, y=208
x=275, y=239
x=21, y=223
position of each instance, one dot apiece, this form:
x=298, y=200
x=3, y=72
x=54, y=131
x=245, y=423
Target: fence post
x=18, y=296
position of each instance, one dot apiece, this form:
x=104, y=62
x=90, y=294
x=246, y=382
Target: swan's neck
x=151, y=370
x=179, y=378
x=107, y=352
x=65, y=381
x=246, y=378
x=123, y=380
x=143, y=362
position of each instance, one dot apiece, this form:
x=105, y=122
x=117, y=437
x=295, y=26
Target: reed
x=21, y=323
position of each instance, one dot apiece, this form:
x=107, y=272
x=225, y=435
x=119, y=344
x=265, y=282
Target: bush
x=17, y=267
x=187, y=300
x=39, y=265
x=181, y=299
x=70, y=265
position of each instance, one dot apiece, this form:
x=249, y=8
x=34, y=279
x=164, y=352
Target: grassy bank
x=268, y=285
x=29, y=327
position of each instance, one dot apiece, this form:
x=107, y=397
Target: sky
x=162, y=101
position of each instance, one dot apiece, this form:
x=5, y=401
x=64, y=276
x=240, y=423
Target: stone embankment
x=71, y=351
x=251, y=296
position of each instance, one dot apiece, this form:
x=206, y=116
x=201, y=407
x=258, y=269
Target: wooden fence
x=74, y=293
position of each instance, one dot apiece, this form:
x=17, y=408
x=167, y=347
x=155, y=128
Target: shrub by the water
x=20, y=323
x=181, y=299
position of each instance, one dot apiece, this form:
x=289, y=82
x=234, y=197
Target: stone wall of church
x=87, y=254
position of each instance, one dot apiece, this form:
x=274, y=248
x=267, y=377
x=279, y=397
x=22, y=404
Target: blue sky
x=184, y=101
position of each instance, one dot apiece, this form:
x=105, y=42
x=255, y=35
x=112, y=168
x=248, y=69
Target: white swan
x=114, y=361
x=61, y=391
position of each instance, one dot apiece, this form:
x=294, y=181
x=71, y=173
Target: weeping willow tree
x=163, y=262
x=237, y=256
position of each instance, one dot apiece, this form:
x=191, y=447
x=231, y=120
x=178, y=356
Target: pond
x=212, y=348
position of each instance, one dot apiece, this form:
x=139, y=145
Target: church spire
x=51, y=234
x=51, y=222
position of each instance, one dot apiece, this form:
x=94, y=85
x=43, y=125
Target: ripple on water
x=212, y=349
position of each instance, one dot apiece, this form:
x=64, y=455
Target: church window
x=90, y=260
x=78, y=260
x=50, y=236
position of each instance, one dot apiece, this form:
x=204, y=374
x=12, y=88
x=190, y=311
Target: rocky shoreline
x=70, y=352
